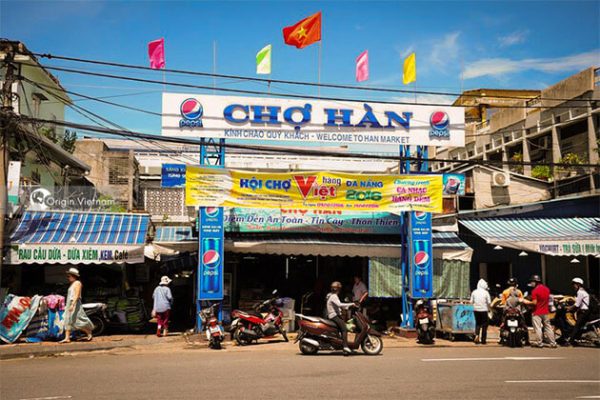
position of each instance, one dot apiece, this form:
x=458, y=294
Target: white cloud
x=513, y=38
x=501, y=66
x=445, y=50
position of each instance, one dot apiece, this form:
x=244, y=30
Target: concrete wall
x=519, y=191
x=570, y=87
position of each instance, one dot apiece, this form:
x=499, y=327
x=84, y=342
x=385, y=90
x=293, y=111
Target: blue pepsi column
x=211, y=260
x=421, y=256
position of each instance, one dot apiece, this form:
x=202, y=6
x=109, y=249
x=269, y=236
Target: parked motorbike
x=97, y=313
x=212, y=327
x=564, y=322
x=513, y=330
x=266, y=320
x=424, y=323
x=322, y=334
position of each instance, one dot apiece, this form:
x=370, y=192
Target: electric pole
x=8, y=48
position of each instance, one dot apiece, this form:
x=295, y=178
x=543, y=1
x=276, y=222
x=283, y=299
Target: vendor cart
x=455, y=318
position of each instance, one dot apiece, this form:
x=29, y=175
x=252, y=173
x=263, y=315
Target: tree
x=69, y=140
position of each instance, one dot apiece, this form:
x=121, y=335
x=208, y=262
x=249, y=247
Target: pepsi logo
x=211, y=212
x=439, y=120
x=191, y=109
x=420, y=215
x=421, y=259
x=211, y=259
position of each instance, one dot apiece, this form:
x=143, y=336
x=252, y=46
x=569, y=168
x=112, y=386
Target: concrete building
x=561, y=126
x=36, y=148
x=114, y=172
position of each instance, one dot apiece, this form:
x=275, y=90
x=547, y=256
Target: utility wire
x=145, y=136
x=288, y=82
x=262, y=93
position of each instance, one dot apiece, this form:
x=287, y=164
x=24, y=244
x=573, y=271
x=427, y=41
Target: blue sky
x=496, y=44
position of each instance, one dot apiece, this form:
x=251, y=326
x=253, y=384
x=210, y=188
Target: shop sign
x=319, y=121
x=74, y=254
x=219, y=187
x=421, y=255
x=563, y=248
x=210, y=277
x=454, y=184
x=15, y=315
x=172, y=176
x=310, y=221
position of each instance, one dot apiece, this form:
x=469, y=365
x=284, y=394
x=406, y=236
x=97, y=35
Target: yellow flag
x=409, y=74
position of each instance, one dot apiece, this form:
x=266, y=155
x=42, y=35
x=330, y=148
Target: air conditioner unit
x=500, y=179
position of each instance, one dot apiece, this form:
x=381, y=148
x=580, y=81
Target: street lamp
x=575, y=261
x=523, y=254
x=498, y=247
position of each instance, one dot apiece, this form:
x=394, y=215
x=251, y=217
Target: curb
x=28, y=351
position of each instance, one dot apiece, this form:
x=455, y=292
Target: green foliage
x=517, y=157
x=110, y=204
x=541, y=172
x=50, y=133
x=68, y=142
x=572, y=158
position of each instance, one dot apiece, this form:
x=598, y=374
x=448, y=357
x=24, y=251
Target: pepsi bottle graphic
x=211, y=265
x=422, y=278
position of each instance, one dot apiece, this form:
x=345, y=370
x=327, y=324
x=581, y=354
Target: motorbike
x=323, y=334
x=97, y=313
x=564, y=322
x=266, y=320
x=513, y=330
x=424, y=323
x=212, y=327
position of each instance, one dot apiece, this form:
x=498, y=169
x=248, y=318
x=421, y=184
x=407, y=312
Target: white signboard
x=326, y=122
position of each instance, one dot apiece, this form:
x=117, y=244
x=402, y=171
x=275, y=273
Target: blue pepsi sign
x=172, y=175
x=421, y=255
x=210, y=259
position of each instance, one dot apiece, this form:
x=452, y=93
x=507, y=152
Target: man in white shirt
x=582, y=307
x=359, y=289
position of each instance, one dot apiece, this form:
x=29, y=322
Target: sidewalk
x=25, y=350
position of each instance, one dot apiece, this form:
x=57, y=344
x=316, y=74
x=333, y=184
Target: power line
x=271, y=149
x=287, y=82
x=271, y=94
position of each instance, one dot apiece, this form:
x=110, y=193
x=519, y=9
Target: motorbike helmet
x=512, y=282
x=535, y=278
x=578, y=281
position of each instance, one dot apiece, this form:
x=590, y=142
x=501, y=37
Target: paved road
x=278, y=371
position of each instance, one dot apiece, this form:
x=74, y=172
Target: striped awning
x=552, y=236
x=170, y=234
x=447, y=240
x=60, y=237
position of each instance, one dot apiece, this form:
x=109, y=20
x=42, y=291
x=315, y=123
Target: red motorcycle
x=323, y=334
x=265, y=321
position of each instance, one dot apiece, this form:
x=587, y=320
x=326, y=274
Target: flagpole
x=415, y=82
x=319, y=68
x=214, y=65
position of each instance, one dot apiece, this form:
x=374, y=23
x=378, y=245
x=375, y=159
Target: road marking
x=492, y=359
x=555, y=381
x=49, y=398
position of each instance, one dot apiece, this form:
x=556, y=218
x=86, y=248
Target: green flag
x=263, y=60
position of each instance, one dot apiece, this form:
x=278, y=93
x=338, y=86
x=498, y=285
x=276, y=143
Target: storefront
x=558, y=249
x=107, y=248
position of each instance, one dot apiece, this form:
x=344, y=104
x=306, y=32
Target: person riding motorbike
x=581, y=307
x=511, y=295
x=334, y=311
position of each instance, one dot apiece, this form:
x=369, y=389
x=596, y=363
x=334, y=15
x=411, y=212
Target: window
x=118, y=172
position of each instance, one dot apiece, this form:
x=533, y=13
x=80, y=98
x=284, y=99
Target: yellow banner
x=218, y=187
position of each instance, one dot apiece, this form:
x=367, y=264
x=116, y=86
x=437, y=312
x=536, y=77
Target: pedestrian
x=540, y=300
x=581, y=308
x=163, y=300
x=75, y=317
x=359, y=289
x=481, y=300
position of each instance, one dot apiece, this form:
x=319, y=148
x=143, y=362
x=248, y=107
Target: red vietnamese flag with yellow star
x=303, y=33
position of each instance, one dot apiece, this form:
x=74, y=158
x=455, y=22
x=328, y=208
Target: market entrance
x=256, y=275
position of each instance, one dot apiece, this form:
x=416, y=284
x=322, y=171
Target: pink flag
x=156, y=53
x=362, y=66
